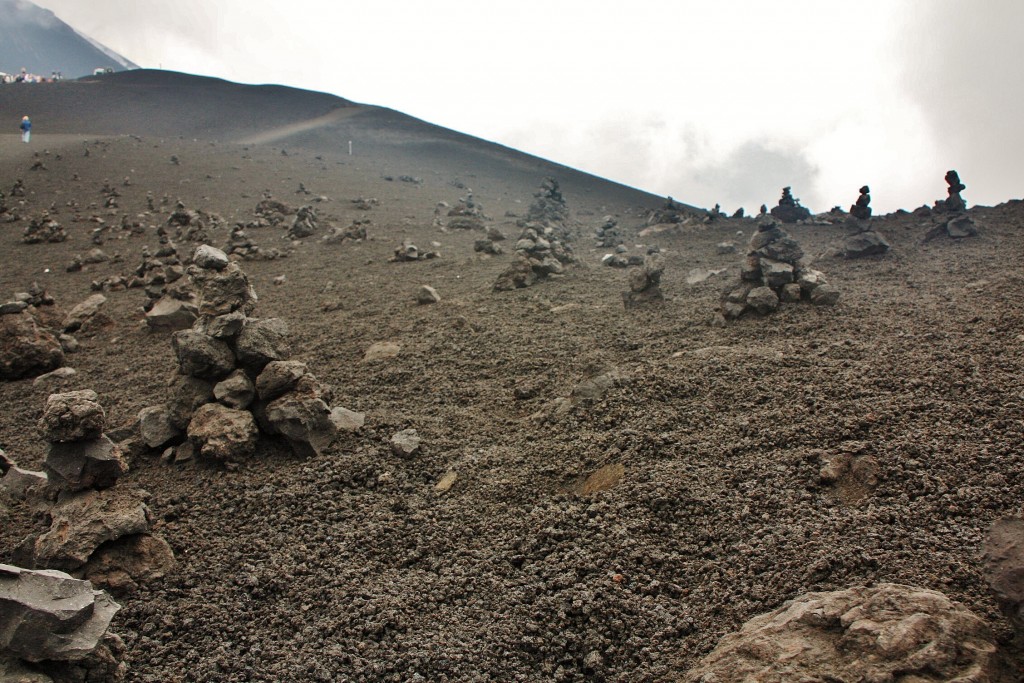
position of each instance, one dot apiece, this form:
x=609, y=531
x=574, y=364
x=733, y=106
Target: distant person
x=26, y=129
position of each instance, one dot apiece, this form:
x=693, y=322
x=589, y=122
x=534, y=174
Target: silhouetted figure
x=861, y=209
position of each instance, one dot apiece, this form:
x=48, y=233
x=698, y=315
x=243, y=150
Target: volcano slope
x=353, y=565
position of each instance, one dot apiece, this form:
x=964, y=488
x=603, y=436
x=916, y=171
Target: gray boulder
x=279, y=377
x=26, y=349
x=223, y=433
x=210, y=258
x=261, y=341
x=91, y=464
x=72, y=416
x=157, y=427
x=200, y=355
x=405, y=443
x=303, y=418
x=235, y=391
x=169, y=313
x=48, y=615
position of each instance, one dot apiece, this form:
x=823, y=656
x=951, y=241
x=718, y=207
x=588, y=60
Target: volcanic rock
x=157, y=426
x=405, y=443
x=81, y=314
x=261, y=341
x=223, y=291
x=427, y=295
x=235, y=391
x=169, y=313
x=210, y=258
x=201, y=355
x=49, y=615
x=279, y=377
x=72, y=416
x=303, y=418
x=84, y=521
x=26, y=349
x=789, y=209
x=885, y=632
x=123, y=564
x=223, y=433
x=1004, y=566
x=94, y=463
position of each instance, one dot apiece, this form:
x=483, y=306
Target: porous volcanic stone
x=223, y=433
x=72, y=416
x=200, y=355
x=26, y=349
x=77, y=465
x=261, y=341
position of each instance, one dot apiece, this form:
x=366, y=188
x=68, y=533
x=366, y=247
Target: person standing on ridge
x=26, y=129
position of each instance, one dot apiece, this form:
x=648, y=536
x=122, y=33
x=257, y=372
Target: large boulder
x=84, y=521
x=77, y=465
x=200, y=355
x=72, y=416
x=886, y=632
x=48, y=615
x=27, y=350
x=223, y=433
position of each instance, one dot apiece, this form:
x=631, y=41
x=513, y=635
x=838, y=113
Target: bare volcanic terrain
x=599, y=492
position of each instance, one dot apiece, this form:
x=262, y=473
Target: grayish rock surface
x=201, y=355
x=72, y=416
x=26, y=349
x=94, y=463
x=223, y=433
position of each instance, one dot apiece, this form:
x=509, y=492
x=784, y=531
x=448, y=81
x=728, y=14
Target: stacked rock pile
x=97, y=530
x=671, y=212
x=960, y=224
x=407, y=251
x=190, y=225
x=861, y=237
x=645, y=283
x=305, y=223
x=355, y=232
x=789, y=209
x=235, y=381
x=241, y=246
x=772, y=273
x=607, y=234
x=468, y=214
x=43, y=229
x=543, y=246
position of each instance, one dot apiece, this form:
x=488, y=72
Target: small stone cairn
x=467, y=214
x=607, y=234
x=789, y=209
x=43, y=229
x=189, y=225
x=305, y=224
x=959, y=224
x=861, y=237
x=235, y=380
x=542, y=249
x=97, y=530
x=645, y=283
x=772, y=273
x=671, y=212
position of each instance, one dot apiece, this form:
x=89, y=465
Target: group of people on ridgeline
x=25, y=77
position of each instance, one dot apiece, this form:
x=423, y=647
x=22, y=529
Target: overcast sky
x=710, y=101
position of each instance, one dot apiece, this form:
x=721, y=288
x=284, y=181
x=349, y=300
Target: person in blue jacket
x=26, y=129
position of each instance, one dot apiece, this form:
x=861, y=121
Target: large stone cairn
x=235, y=381
x=772, y=273
x=861, y=237
x=789, y=209
x=607, y=234
x=886, y=632
x=959, y=225
x=671, y=212
x=542, y=249
x=53, y=627
x=97, y=531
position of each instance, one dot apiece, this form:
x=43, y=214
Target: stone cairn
x=407, y=251
x=861, y=237
x=645, y=282
x=189, y=225
x=305, y=223
x=240, y=246
x=671, y=212
x=355, y=232
x=43, y=229
x=97, y=530
x=607, y=234
x=467, y=214
x=959, y=225
x=542, y=249
x=789, y=209
x=772, y=273
x=235, y=382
